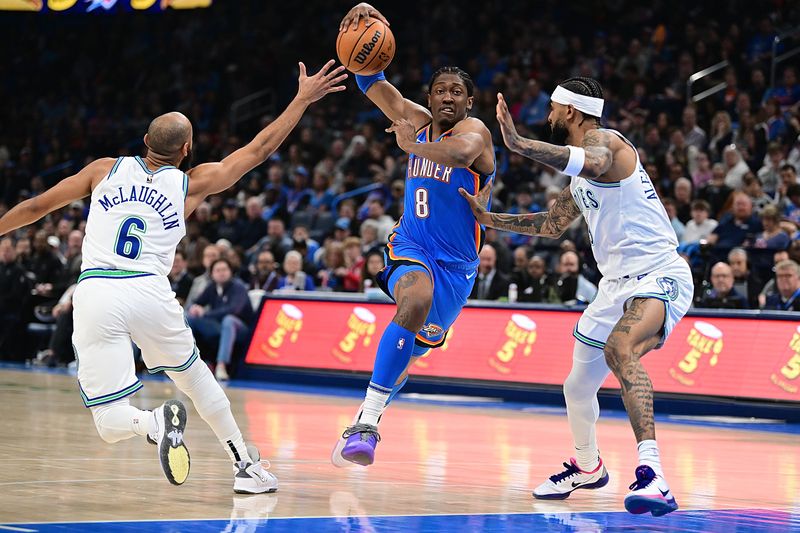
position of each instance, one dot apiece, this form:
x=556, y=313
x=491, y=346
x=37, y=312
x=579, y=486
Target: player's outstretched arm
x=382, y=93
x=461, y=149
x=550, y=223
x=65, y=191
x=211, y=178
x=596, y=148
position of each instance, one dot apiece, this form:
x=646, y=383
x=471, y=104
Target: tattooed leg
x=413, y=293
x=637, y=332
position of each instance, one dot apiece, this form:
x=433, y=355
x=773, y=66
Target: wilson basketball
x=367, y=49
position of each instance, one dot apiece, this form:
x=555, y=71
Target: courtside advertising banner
x=731, y=357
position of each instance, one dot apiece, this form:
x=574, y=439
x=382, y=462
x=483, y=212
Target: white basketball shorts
x=110, y=311
x=672, y=284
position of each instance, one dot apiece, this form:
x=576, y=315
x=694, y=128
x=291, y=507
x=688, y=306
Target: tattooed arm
x=596, y=145
x=551, y=223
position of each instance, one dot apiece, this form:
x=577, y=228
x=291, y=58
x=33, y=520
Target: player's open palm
x=478, y=202
x=362, y=10
x=506, y=122
x=326, y=81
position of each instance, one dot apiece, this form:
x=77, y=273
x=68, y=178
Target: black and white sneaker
x=168, y=436
x=561, y=485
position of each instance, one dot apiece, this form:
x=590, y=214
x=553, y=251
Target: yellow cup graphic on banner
x=360, y=329
x=21, y=5
x=787, y=376
x=60, y=5
x=520, y=331
x=289, y=321
x=705, y=345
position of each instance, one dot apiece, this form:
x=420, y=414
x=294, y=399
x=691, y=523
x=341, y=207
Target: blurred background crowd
x=315, y=217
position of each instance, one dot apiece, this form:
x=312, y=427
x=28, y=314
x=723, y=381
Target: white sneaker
x=560, y=486
x=173, y=455
x=649, y=494
x=253, y=478
x=221, y=373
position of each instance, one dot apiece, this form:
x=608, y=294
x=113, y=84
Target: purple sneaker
x=360, y=443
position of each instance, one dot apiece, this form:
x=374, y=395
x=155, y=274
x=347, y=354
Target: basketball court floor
x=466, y=466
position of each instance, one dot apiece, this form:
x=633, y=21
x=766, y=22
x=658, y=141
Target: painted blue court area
x=720, y=521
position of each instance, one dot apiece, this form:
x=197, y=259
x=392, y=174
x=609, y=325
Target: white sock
x=372, y=408
x=213, y=406
x=588, y=458
x=648, y=455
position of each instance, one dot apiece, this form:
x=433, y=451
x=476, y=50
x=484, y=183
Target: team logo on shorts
x=432, y=330
x=669, y=286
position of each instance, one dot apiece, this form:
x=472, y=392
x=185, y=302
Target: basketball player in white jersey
x=645, y=290
x=136, y=220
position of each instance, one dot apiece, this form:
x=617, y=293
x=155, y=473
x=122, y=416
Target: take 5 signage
x=732, y=357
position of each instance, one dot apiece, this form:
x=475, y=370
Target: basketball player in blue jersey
x=646, y=287
x=432, y=254
x=136, y=220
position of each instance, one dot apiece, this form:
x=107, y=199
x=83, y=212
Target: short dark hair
x=586, y=87
x=788, y=166
x=701, y=205
x=458, y=72
x=221, y=260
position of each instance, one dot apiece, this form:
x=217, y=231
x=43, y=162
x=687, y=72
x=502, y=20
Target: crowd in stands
x=316, y=215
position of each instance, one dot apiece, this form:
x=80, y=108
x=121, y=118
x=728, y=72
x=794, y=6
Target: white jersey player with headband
x=645, y=290
x=136, y=220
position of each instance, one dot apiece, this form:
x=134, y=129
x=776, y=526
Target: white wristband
x=577, y=156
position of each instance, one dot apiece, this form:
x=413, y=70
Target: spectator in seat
x=735, y=167
x=210, y=254
x=787, y=276
x=538, y=286
x=373, y=264
x=46, y=267
x=263, y=273
x=752, y=187
x=745, y=280
x=738, y=226
x=715, y=192
x=773, y=236
x=254, y=226
x=294, y=278
x=490, y=284
x=571, y=286
x=722, y=295
x=179, y=278
x=700, y=226
x=231, y=227
x=222, y=312
x=770, y=287
x=14, y=291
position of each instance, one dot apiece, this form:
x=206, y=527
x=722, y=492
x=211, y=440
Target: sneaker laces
x=644, y=476
x=570, y=471
x=366, y=431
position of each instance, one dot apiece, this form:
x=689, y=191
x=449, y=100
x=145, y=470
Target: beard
x=559, y=134
x=186, y=164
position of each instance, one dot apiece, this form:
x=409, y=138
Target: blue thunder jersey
x=436, y=217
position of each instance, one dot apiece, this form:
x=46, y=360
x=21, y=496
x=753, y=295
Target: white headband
x=586, y=104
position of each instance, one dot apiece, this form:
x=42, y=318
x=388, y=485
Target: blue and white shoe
x=649, y=494
x=561, y=485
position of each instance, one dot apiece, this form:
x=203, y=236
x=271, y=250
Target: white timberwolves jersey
x=628, y=227
x=135, y=220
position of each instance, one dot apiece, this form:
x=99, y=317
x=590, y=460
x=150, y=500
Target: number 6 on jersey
x=421, y=203
x=129, y=242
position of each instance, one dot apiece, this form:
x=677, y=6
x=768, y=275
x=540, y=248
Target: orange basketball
x=367, y=49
